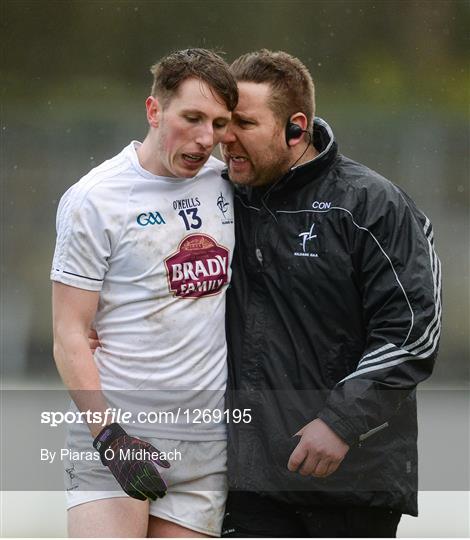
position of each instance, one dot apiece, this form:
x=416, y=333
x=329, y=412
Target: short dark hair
x=202, y=64
x=292, y=88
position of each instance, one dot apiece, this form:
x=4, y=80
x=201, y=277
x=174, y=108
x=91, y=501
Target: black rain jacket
x=333, y=313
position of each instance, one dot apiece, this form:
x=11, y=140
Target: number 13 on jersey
x=190, y=218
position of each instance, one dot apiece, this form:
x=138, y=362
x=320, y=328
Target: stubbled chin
x=234, y=175
x=240, y=169
x=238, y=178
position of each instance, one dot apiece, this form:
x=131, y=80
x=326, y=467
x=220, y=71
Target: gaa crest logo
x=151, y=218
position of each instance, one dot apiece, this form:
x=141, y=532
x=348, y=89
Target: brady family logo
x=198, y=268
x=150, y=218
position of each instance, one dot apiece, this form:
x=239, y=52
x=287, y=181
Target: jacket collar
x=325, y=143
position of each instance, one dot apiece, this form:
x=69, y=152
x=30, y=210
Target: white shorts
x=197, y=484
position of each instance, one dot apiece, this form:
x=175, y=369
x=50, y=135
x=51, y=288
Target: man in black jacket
x=333, y=319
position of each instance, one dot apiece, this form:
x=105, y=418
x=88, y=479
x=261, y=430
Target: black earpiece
x=293, y=131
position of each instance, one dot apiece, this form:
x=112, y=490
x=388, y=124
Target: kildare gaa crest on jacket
x=199, y=267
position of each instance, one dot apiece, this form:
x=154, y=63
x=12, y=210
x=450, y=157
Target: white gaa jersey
x=159, y=252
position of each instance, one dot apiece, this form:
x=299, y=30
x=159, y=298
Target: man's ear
x=299, y=121
x=154, y=111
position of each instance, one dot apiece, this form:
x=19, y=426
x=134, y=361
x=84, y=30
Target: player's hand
x=93, y=340
x=139, y=478
x=319, y=452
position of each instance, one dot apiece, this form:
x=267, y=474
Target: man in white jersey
x=143, y=253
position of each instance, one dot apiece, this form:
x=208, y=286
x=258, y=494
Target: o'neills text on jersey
x=182, y=204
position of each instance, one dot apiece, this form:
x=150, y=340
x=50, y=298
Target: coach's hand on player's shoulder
x=319, y=452
x=133, y=462
x=93, y=340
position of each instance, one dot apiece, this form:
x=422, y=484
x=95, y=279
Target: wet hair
x=292, y=88
x=202, y=64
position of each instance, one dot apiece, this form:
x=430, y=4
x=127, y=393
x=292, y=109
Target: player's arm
x=73, y=312
x=399, y=274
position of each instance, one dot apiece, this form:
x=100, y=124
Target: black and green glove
x=133, y=462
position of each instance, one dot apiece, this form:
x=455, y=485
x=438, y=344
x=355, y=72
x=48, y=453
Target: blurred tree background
x=392, y=78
